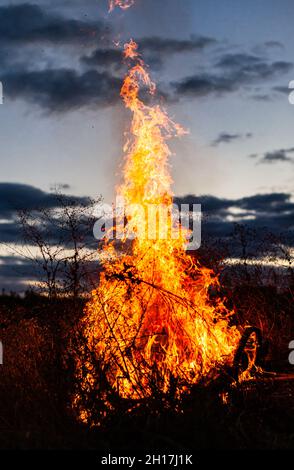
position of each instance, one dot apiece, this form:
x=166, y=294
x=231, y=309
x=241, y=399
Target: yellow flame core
x=151, y=322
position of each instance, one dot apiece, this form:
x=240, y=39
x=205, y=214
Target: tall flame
x=150, y=322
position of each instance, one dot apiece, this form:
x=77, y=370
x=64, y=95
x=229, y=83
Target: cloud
x=226, y=138
x=155, y=50
x=273, y=211
x=238, y=61
x=28, y=23
x=17, y=196
x=232, y=72
x=275, y=156
x=164, y=46
x=210, y=203
x=204, y=85
x=251, y=67
x=274, y=44
x=54, y=88
x=10, y=233
x=262, y=213
x=285, y=90
x=267, y=203
x=265, y=98
x=15, y=272
x=61, y=90
x=104, y=58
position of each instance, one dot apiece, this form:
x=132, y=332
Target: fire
x=124, y=4
x=151, y=323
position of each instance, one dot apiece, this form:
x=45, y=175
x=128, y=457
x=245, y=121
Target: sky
x=222, y=69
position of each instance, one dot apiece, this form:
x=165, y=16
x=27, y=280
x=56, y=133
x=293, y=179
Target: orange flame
x=150, y=322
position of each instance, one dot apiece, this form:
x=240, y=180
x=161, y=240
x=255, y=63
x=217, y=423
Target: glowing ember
x=124, y=4
x=150, y=323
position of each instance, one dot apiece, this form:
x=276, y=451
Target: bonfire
x=150, y=324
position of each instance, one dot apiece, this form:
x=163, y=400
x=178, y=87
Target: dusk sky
x=222, y=69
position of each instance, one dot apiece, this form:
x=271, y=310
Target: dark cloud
x=64, y=89
x=55, y=89
x=15, y=267
x=262, y=97
x=251, y=67
x=155, y=50
x=267, y=203
x=233, y=71
x=274, y=44
x=275, y=156
x=263, y=213
x=226, y=138
x=285, y=90
x=238, y=61
x=15, y=273
x=105, y=58
x=274, y=212
x=27, y=23
x=10, y=233
x=61, y=90
x=17, y=196
x=167, y=46
x=210, y=204
x=204, y=85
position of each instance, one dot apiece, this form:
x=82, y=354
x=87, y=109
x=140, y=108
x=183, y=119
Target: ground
x=36, y=383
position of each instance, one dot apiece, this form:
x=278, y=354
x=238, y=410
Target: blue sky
x=222, y=68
